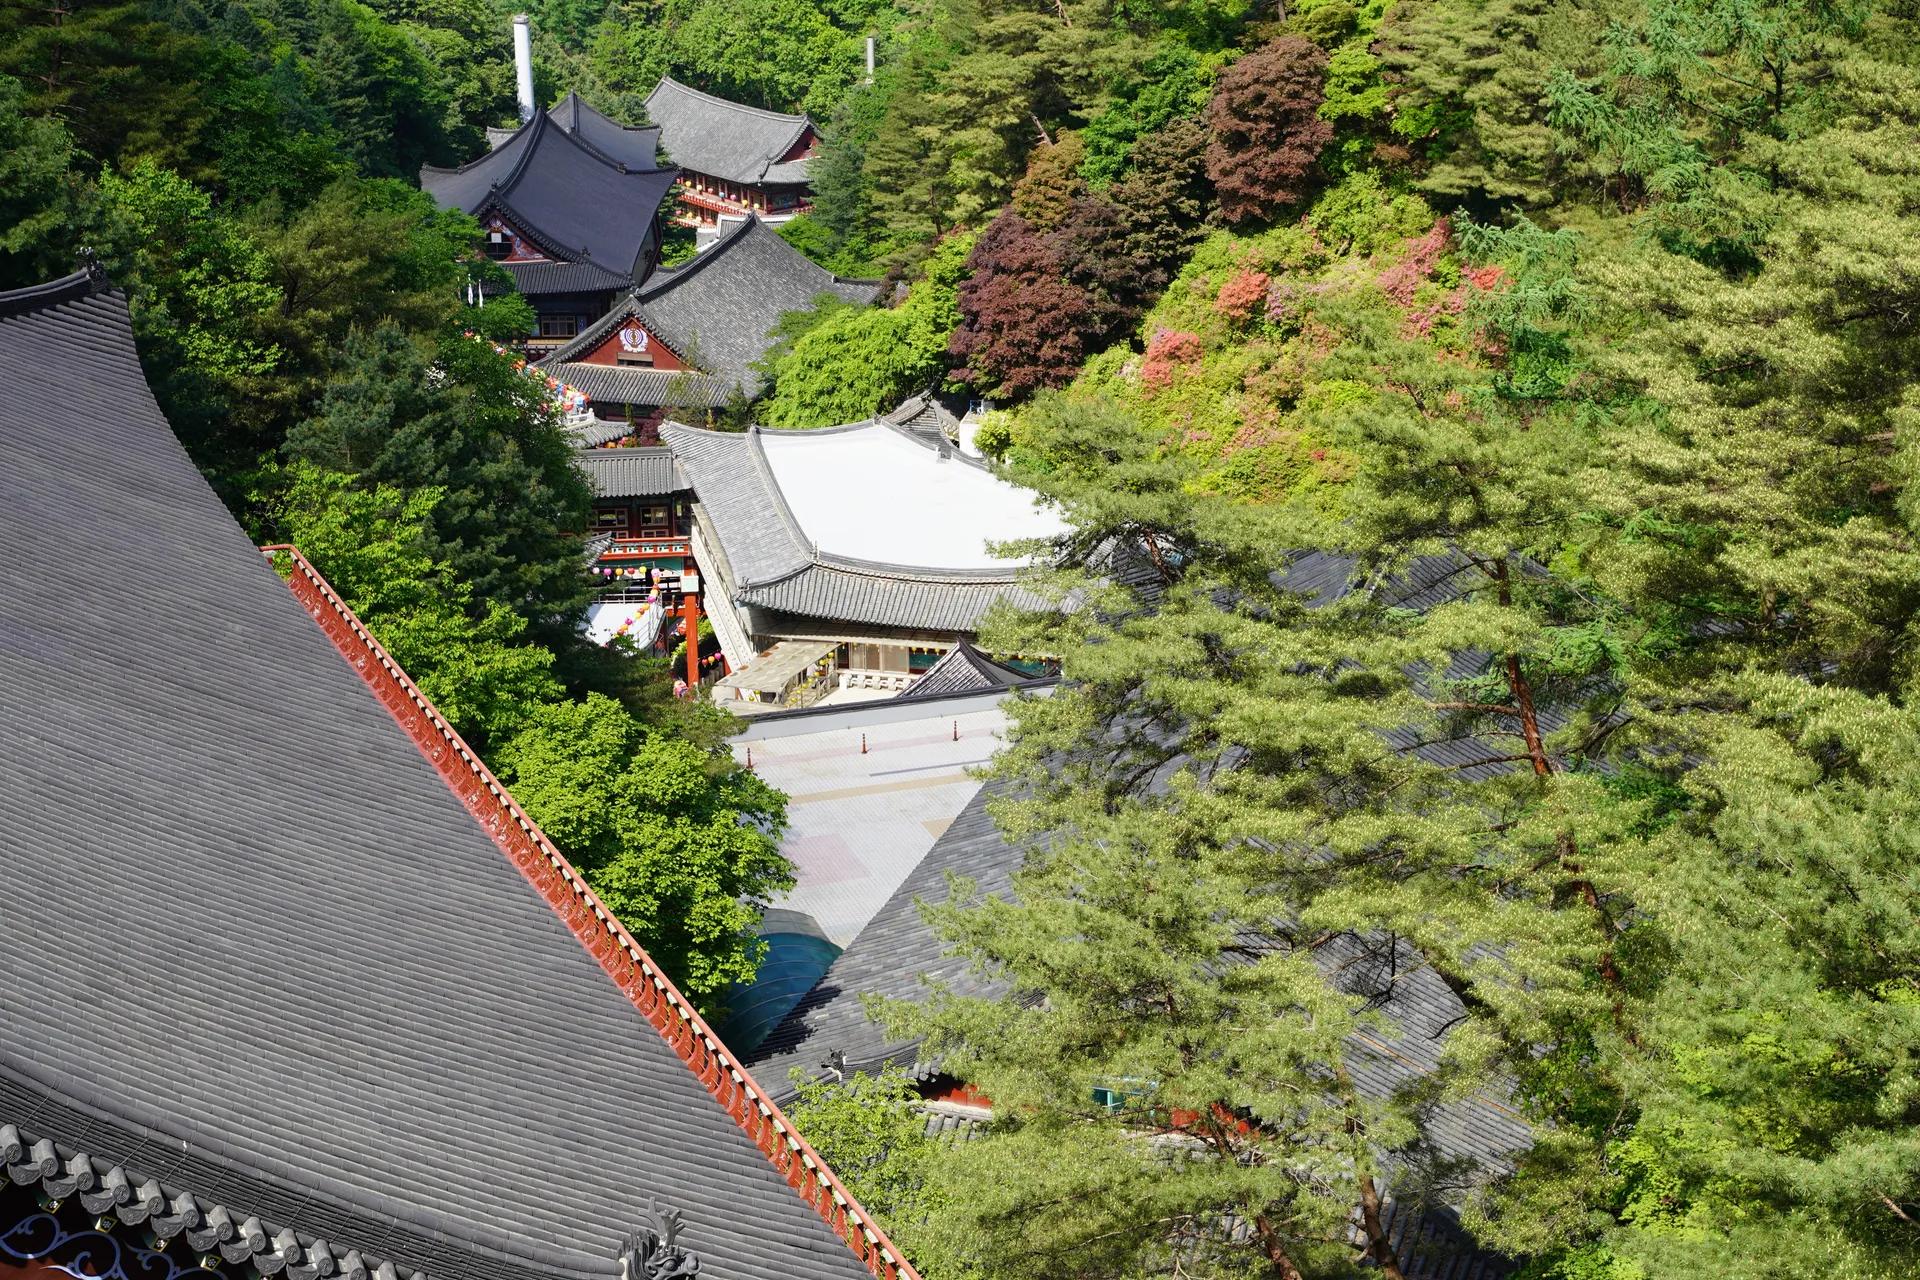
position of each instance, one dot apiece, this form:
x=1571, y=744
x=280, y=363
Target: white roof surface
x=872, y=494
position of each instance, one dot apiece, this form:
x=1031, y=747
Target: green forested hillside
x=1568, y=348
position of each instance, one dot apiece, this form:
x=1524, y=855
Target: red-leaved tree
x=1266, y=128
x=1021, y=323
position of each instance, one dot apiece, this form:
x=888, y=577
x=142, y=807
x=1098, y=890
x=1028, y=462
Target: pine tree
x=124, y=84
x=462, y=420
x=1239, y=777
x=1468, y=91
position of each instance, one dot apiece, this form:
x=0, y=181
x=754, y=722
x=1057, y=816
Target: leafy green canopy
x=842, y=363
x=1609, y=726
x=680, y=843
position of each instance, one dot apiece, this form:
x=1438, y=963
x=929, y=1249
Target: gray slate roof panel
x=962, y=669
x=725, y=139
x=562, y=192
x=885, y=597
x=740, y=503
x=718, y=311
x=318, y=973
x=624, y=384
x=645, y=472
x=635, y=146
x=536, y=278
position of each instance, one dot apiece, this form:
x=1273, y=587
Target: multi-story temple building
x=569, y=204
x=691, y=337
x=735, y=160
x=293, y=986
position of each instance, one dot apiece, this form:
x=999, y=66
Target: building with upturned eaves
x=289, y=984
x=691, y=338
x=735, y=160
x=569, y=205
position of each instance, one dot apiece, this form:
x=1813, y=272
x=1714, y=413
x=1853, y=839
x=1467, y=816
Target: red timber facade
x=633, y=346
x=648, y=989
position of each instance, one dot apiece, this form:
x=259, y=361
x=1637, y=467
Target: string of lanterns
x=571, y=399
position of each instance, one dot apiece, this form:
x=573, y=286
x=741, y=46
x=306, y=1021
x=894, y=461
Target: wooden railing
x=624, y=544
x=623, y=959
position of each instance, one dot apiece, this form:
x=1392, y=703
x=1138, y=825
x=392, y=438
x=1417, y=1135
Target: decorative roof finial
x=652, y=1251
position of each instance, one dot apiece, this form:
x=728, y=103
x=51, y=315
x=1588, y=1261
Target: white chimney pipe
x=869, y=59
x=523, y=64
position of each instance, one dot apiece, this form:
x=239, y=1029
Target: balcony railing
x=628, y=546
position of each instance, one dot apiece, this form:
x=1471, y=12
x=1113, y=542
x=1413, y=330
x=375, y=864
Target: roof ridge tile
x=598, y=930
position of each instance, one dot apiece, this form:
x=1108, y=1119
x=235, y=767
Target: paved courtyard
x=860, y=822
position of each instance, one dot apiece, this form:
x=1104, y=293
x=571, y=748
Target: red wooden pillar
x=693, y=641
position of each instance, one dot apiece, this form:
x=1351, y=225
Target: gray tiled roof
x=635, y=146
x=565, y=194
x=595, y=432
x=624, y=384
x=253, y=946
x=963, y=669
x=924, y=416
x=718, y=311
x=889, y=595
x=645, y=472
x=775, y=566
x=536, y=278
x=725, y=139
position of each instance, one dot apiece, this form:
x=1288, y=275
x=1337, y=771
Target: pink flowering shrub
x=1243, y=291
x=1403, y=278
x=1168, y=350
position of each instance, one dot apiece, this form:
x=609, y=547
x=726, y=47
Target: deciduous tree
x=679, y=842
x=1266, y=128
x=1022, y=325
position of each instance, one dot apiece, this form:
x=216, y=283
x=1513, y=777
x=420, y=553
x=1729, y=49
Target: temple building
x=296, y=988
x=735, y=160
x=688, y=339
x=569, y=205
x=786, y=528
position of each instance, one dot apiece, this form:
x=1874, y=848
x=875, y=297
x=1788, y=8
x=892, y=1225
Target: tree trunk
x=1378, y=1246
x=1275, y=1251
x=1521, y=691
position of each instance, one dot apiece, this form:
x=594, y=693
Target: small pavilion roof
x=577, y=204
x=643, y=472
x=725, y=139
x=261, y=954
x=963, y=669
